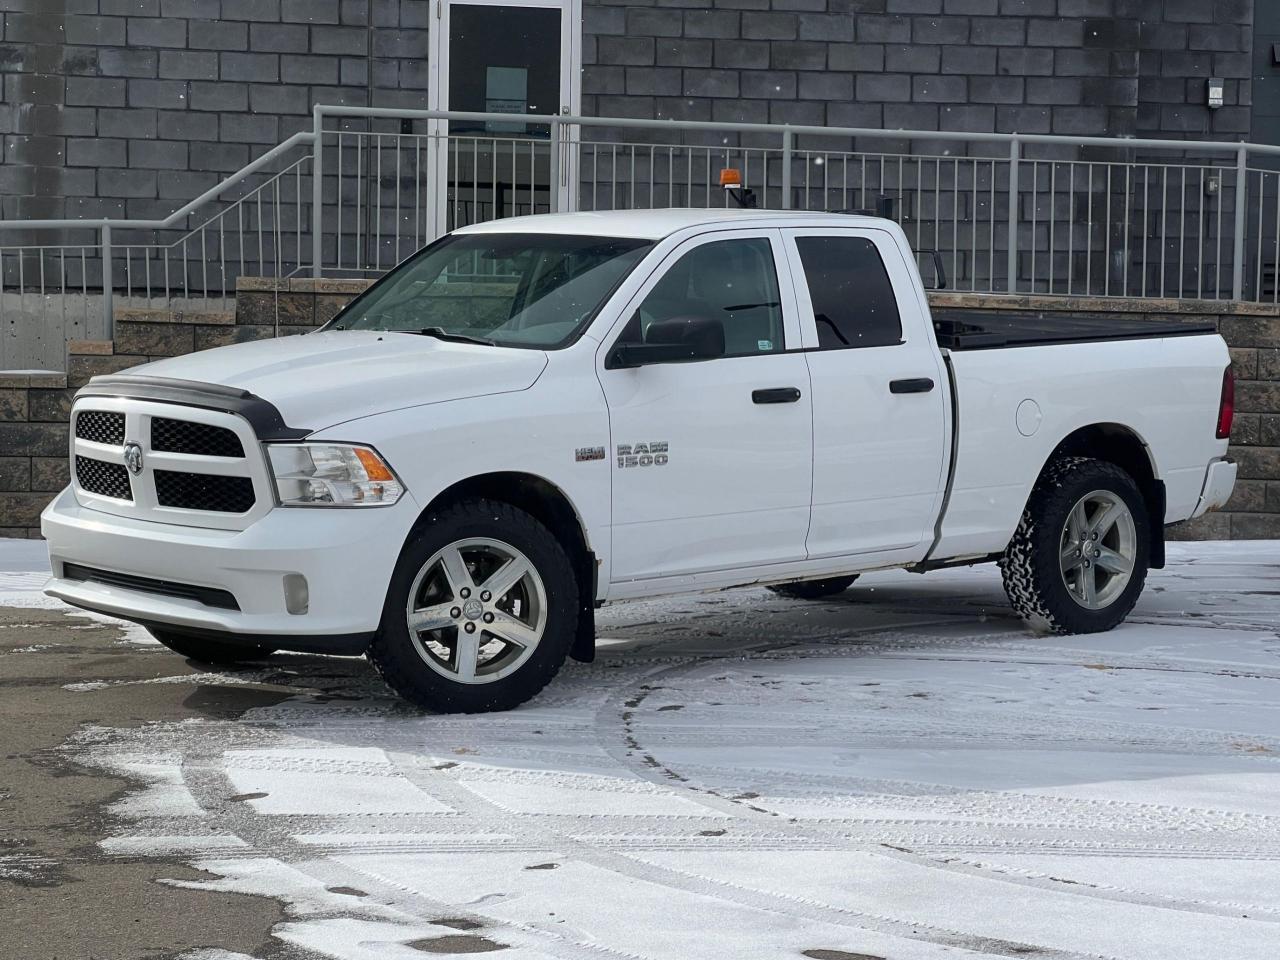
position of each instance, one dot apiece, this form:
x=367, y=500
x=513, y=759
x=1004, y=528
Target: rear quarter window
x=853, y=299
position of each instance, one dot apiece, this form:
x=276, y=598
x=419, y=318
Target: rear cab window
x=853, y=298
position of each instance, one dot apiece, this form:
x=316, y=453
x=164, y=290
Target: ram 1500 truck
x=535, y=416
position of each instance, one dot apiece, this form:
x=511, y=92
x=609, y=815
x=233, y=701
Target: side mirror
x=939, y=270
x=678, y=340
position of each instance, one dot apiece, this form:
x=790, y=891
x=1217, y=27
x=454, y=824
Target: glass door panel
x=509, y=58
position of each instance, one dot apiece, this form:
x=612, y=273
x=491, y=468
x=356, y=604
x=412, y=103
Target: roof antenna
x=731, y=180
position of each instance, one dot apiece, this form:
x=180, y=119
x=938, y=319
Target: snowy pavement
x=903, y=772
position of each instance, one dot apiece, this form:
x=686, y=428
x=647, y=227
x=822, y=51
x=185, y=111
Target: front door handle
x=775, y=395
x=914, y=385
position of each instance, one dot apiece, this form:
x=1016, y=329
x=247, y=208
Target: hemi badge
x=582, y=454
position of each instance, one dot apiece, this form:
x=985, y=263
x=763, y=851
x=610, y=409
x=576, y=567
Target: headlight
x=332, y=475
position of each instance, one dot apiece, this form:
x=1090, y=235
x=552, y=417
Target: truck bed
x=976, y=330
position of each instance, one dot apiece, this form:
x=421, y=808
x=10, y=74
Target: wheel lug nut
x=456, y=612
x=488, y=618
x=486, y=596
x=464, y=593
x=1086, y=564
x=1094, y=535
x=1097, y=553
x=469, y=627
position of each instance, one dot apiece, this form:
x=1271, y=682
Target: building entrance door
x=510, y=57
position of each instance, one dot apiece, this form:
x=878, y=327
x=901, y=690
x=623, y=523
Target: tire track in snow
x=625, y=702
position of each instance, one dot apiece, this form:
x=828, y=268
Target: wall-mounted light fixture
x=1217, y=92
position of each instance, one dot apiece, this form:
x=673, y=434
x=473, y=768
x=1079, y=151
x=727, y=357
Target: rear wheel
x=481, y=612
x=814, y=589
x=1078, y=560
x=205, y=650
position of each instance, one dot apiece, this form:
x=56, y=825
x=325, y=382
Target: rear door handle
x=915, y=385
x=775, y=395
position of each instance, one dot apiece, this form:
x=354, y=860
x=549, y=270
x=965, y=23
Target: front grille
x=209, y=596
x=201, y=439
x=203, y=491
x=100, y=426
x=103, y=479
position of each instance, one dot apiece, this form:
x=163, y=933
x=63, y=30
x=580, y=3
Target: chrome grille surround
x=200, y=489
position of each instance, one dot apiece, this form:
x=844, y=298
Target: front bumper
x=345, y=555
x=1219, y=482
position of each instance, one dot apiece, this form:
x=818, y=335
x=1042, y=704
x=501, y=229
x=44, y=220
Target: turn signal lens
x=374, y=468
x=332, y=475
x=1227, y=405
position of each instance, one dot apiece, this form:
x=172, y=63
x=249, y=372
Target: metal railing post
x=786, y=169
x=108, y=294
x=317, y=191
x=1015, y=151
x=553, y=173
x=1242, y=188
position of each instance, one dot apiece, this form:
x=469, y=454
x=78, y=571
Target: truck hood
x=322, y=379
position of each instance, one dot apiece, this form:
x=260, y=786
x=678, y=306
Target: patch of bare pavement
x=61, y=896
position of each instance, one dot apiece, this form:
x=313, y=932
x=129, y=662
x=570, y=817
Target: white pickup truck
x=533, y=417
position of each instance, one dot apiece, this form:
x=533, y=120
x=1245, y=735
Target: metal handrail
x=563, y=129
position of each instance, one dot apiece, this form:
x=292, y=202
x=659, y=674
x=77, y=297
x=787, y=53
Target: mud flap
x=584, y=641
x=1156, y=499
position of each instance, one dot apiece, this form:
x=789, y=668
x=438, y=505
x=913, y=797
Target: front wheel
x=204, y=650
x=1078, y=560
x=481, y=611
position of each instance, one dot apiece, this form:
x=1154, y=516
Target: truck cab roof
x=658, y=224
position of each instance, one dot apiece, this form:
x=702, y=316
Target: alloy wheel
x=1098, y=549
x=477, y=610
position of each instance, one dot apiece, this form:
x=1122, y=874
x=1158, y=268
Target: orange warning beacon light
x=731, y=180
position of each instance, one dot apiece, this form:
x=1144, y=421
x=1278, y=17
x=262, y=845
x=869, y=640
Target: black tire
x=814, y=589
x=1033, y=576
x=204, y=650
x=394, y=652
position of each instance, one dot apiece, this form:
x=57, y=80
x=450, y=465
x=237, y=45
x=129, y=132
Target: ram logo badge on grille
x=133, y=457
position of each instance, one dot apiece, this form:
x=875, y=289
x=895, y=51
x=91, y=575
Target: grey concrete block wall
x=1074, y=67
x=128, y=107
x=99, y=95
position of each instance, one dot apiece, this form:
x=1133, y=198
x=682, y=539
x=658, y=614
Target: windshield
x=514, y=289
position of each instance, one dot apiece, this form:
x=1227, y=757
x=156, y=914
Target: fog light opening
x=297, y=596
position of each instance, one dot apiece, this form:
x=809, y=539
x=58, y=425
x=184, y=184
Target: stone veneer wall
x=34, y=406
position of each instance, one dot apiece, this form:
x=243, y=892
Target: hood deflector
x=261, y=414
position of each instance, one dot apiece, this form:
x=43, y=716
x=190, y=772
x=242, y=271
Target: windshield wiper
x=441, y=334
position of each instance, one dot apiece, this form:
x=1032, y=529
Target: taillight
x=1227, y=405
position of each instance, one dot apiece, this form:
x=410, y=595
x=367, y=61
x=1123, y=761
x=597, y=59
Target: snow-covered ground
x=903, y=772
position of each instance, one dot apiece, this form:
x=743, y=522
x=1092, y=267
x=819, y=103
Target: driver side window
x=730, y=281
